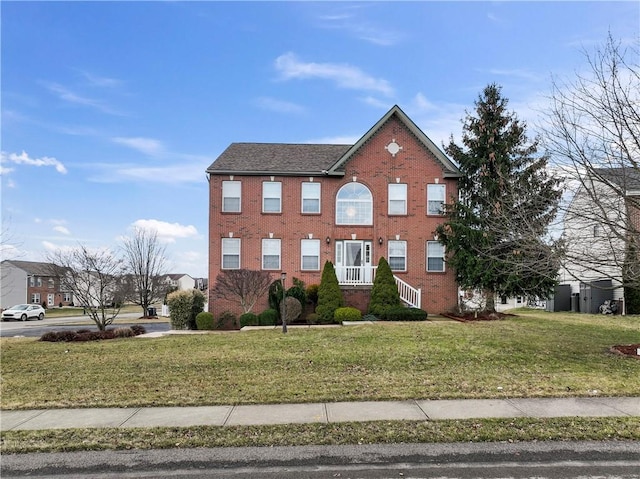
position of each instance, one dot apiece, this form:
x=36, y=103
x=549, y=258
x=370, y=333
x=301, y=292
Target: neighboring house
x=179, y=281
x=600, y=221
x=202, y=284
x=291, y=207
x=31, y=282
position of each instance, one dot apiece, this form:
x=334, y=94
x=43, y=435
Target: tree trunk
x=490, y=298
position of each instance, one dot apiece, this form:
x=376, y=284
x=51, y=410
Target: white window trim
x=402, y=197
x=222, y=251
x=444, y=197
x=389, y=244
x=273, y=241
x=444, y=265
x=265, y=197
x=229, y=185
x=303, y=197
x=316, y=253
x=369, y=201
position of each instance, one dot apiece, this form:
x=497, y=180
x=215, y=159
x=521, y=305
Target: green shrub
x=329, y=294
x=298, y=291
x=269, y=317
x=416, y=314
x=312, y=293
x=226, y=321
x=184, y=306
x=204, y=321
x=276, y=293
x=313, y=318
x=369, y=317
x=396, y=313
x=347, y=314
x=384, y=293
x=248, y=319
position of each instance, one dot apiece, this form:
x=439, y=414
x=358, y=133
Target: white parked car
x=23, y=312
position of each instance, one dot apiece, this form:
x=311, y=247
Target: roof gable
x=450, y=170
x=34, y=267
x=287, y=159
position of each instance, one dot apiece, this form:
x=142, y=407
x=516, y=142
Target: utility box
x=561, y=299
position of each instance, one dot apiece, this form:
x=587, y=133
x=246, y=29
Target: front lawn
x=535, y=354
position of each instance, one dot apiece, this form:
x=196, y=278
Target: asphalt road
x=35, y=328
x=620, y=460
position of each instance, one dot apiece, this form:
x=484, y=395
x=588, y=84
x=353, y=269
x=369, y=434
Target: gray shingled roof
x=627, y=178
x=277, y=158
x=33, y=267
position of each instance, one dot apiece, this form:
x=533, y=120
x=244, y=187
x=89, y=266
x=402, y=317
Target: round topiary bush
x=347, y=314
x=204, y=321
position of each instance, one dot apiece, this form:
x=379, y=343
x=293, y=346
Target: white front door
x=353, y=261
x=50, y=300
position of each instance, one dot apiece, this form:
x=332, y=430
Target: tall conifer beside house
x=496, y=233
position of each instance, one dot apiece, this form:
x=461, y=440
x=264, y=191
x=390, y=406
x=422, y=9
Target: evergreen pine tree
x=384, y=293
x=329, y=294
x=495, y=232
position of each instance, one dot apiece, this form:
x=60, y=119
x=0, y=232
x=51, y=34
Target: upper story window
x=310, y=197
x=398, y=255
x=310, y=252
x=50, y=283
x=230, y=253
x=354, y=205
x=231, y=196
x=435, y=199
x=270, y=254
x=32, y=281
x=435, y=256
x=398, y=199
x=271, y=197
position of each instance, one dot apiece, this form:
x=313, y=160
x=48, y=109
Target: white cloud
x=148, y=146
x=167, y=232
x=280, y=106
x=24, y=159
x=61, y=229
x=69, y=96
x=345, y=76
x=374, y=102
x=99, y=81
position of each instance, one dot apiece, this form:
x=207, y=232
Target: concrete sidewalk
x=414, y=410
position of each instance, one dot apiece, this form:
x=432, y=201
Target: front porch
x=355, y=276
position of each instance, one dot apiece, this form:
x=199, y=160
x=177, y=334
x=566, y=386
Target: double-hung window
x=310, y=197
x=435, y=256
x=270, y=254
x=35, y=298
x=397, y=199
x=230, y=253
x=271, y=197
x=435, y=199
x=310, y=252
x=398, y=255
x=231, y=196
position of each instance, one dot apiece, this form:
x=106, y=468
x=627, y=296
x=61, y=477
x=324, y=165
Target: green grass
x=536, y=354
x=380, y=432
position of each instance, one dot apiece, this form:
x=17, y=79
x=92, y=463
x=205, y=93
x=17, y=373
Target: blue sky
x=112, y=111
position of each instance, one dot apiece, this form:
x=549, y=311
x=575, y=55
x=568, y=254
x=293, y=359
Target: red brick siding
x=372, y=166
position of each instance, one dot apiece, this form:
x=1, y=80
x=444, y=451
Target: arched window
x=354, y=205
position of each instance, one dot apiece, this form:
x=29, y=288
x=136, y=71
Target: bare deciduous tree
x=245, y=286
x=145, y=260
x=592, y=131
x=93, y=277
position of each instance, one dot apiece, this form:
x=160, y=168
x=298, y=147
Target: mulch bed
x=627, y=350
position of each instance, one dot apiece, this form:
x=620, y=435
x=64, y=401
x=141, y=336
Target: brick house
x=291, y=207
x=31, y=282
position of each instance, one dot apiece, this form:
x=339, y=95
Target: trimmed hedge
x=249, y=319
x=204, y=321
x=347, y=314
x=269, y=317
x=400, y=313
x=91, y=335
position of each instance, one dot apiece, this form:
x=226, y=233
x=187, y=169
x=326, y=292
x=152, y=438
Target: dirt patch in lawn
x=627, y=350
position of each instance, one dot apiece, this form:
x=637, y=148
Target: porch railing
x=365, y=275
